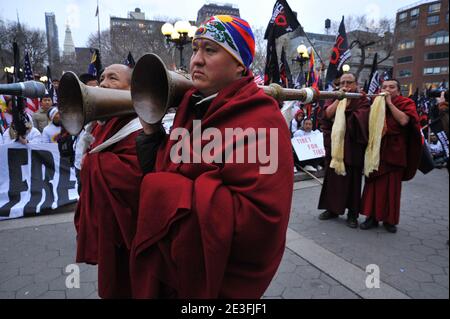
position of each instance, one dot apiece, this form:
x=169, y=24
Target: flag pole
x=98, y=27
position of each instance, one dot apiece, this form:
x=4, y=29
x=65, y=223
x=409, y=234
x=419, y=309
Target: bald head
x=116, y=76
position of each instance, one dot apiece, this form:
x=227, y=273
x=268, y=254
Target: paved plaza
x=323, y=259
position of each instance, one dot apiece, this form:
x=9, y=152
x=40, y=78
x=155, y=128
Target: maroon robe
x=400, y=152
x=214, y=230
x=341, y=192
x=106, y=213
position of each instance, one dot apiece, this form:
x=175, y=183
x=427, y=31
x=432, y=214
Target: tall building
x=211, y=9
x=134, y=25
x=69, y=47
x=421, y=45
x=52, y=38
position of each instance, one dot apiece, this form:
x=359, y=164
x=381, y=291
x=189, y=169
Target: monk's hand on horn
x=388, y=98
x=150, y=128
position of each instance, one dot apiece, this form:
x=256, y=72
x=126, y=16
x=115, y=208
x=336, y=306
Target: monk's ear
x=240, y=69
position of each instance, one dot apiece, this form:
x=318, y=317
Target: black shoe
x=352, y=222
x=369, y=223
x=390, y=228
x=327, y=215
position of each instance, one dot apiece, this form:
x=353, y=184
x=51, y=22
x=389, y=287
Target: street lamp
x=180, y=34
x=302, y=57
x=346, y=68
x=43, y=79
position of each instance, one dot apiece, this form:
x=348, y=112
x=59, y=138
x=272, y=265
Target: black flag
x=129, y=61
x=374, y=78
x=285, y=71
x=283, y=21
x=340, y=54
x=18, y=110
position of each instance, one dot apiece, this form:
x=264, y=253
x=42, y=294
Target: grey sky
x=80, y=14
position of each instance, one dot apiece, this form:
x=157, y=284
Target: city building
x=52, y=38
x=211, y=9
x=69, y=47
x=421, y=45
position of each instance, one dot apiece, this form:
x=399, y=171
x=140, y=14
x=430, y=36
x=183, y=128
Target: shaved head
x=116, y=76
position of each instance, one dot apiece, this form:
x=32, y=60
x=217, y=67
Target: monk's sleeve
x=360, y=120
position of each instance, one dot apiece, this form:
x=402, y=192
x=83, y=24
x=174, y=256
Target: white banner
x=34, y=178
x=309, y=147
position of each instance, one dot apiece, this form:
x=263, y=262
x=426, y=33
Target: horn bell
x=80, y=104
x=154, y=88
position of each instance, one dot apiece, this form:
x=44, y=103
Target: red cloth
x=400, y=153
x=341, y=192
x=107, y=209
x=214, y=230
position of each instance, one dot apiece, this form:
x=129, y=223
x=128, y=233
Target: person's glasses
x=346, y=82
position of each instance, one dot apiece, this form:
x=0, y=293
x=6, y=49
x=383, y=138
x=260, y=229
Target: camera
x=437, y=93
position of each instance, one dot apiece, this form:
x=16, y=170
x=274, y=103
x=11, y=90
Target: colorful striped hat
x=233, y=34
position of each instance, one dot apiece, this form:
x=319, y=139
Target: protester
x=54, y=91
x=52, y=131
x=400, y=152
x=33, y=136
x=88, y=79
x=437, y=151
x=312, y=165
x=202, y=228
x=40, y=118
x=345, y=133
x=106, y=214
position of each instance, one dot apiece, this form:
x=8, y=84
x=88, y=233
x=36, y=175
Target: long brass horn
x=80, y=104
x=154, y=89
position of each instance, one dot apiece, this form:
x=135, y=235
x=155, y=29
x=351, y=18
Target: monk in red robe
x=400, y=153
x=107, y=209
x=344, y=191
x=210, y=226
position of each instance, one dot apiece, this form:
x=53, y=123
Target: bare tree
x=366, y=34
x=259, y=61
x=31, y=40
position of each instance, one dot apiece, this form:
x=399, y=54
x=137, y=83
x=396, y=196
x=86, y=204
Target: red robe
x=400, y=152
x=214, y=230
x=106, y=213
x=341, y=192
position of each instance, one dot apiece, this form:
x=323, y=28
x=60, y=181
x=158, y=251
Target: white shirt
x=50, y=133
x=33, y=136
x=301, y=133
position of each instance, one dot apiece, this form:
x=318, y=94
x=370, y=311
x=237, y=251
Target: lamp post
x=345, y=68
x=302, y=58
x=180, y=34
x=9, y=71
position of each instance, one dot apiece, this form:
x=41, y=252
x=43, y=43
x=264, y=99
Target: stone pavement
x=323, y=259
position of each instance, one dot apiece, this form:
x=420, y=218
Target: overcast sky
x=80, y=14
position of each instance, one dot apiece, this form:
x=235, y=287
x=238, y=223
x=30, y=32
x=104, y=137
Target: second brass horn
x=80, y=104
x=154, y=88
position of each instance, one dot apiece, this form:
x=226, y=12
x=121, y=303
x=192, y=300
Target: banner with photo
x=34, y=179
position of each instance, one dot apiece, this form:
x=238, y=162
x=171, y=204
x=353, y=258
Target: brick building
x=421, y=45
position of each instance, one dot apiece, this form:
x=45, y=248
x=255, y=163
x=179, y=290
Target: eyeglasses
x=346, y=82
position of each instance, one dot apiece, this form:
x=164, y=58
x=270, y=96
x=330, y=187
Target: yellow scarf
x=337, y=139
x=377, y=119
